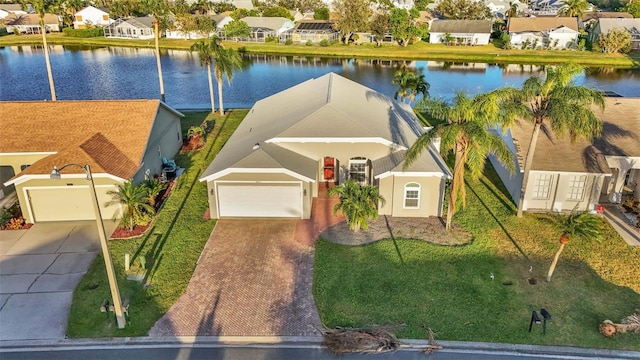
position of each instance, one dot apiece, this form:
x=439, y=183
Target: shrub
x=9, y=213
x=3, y=31
x=324, y=43
x=272, y=39
x=83, y=33
x=309, y=43
x=15, y=223
x=288, y=42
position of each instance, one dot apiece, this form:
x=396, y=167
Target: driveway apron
x=253, y=279
x=39, y=270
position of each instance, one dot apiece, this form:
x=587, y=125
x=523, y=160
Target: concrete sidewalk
x=618, y=221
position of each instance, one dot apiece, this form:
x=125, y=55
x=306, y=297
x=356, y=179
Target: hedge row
x=83, y=33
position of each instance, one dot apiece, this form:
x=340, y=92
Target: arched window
x=412, y=196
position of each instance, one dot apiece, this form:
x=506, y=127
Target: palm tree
x=577, y=224
x=573, y=8
x=357, y=203
x=465, y=132
x=133, y=199
x=153, y=187
x=158, y=9
x=410, y=84
x=227, y=61
x=560, y=106
x=207, y=51
x=512, y=11
x=42, y=7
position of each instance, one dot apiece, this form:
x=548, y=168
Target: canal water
x=128, y=73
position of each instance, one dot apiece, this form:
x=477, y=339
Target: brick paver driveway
x=253, y=279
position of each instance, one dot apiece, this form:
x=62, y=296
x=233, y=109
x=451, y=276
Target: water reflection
x=125, y=73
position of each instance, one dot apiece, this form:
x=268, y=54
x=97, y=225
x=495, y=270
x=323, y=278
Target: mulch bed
x=430, y=229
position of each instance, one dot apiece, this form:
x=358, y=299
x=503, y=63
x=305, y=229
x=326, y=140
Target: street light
x=113, y=284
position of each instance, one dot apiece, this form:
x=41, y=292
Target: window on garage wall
x=412, y=196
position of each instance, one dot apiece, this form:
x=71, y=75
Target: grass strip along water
x=420, y=51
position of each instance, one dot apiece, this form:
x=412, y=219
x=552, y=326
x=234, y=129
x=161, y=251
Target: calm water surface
x=125, y=73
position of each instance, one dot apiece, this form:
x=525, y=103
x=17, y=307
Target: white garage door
x=68, y=203
x=269, y=200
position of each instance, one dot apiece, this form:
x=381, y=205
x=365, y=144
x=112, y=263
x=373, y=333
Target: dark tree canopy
x=464, y=10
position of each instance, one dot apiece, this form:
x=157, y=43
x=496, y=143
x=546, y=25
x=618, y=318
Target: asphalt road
x=262, y=353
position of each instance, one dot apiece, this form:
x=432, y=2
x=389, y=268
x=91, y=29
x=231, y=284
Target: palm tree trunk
x=527, y=166
x=157, y=37
x=453, y=195
x=210, y=88
x=219, y=81
x=52, y=86
x=552, y=268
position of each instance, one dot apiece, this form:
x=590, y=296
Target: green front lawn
x=172, y=247
x=449, y=288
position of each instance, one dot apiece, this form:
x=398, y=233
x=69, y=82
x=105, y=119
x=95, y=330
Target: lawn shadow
x=393, y=238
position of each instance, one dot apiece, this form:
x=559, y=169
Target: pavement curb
x=301, y=342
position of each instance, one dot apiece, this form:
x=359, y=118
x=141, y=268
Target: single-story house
x=176, y=30
x=603, y=26
x=499, y=8
x=553, y=32
x=119, y=139
x=239, y=4
x=463, y=32
x=8, y=9
x=566, y=176
x=312, y=30
x=589, y=19
x=91, y=16
x=222, y=19
x=324, y=130
x=132, y=28
x=30, y=23
x=263, y=27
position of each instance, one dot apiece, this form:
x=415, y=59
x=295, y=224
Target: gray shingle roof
x=606, y=25
x=461, y=26
x=330, y=106
x=273, y=23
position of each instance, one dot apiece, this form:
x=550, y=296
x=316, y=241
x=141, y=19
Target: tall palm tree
x=577, y=224
x=227, y=61
x=410, y=84
x=42, y=7
x=133, y=199
x=558, y=105
x=207, y=51
x=158, y=9
x=466, y=132
x=574, y=8
x=512, y=11
x=357, y=203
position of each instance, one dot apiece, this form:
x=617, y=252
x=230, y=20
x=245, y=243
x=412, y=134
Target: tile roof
x=541, y=23
x=109, y=135
x=620, y=137
x=30, y=19
x=594, y=15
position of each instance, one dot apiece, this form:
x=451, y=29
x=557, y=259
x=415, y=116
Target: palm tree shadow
x=393, y=238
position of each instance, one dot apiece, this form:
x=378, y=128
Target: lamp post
x=113, y=283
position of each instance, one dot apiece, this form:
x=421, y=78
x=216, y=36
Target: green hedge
x=83, y=33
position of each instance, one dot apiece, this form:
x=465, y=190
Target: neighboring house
x=589, y=19
x=132, y=28
x=263, y=27
x=499, y=8
x=312, y=30
x=175, y=32
x=603, y=26
x=566, y=176
x=463, y=32
x=239, y=4
x=30, y=23
x=91, y=16
x=16, y=9
x=324, y=130
x=222, y=19
x=119, y=139
x=403, y=4
x=546, y=7
x=552, y=32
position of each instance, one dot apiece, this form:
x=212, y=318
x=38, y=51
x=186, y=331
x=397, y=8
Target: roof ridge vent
x=329, y=88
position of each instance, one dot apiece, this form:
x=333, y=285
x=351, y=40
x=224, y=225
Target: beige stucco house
x=324, y=130
x=119, y=139
x=566, y=176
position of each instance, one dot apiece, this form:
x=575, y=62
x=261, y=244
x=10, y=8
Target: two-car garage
x=259, y=199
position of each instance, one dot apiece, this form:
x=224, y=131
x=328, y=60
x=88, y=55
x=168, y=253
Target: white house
x=552, y=32
x=569, y=176
x=91, y=16
x=463, y=32
x=603, y=26
x=30, y=23
x=133, y=28
x=262, y=27
x=16, y=9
